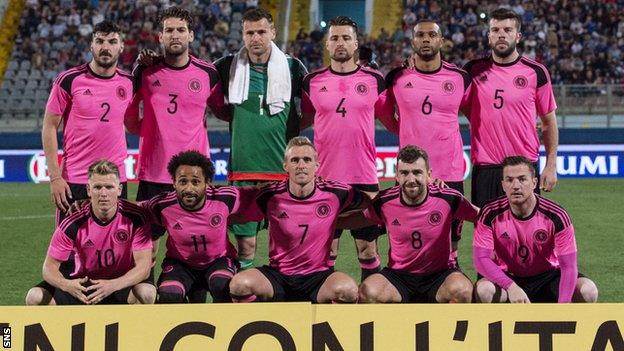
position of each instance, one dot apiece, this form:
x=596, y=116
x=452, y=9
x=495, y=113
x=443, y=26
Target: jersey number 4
x=340, y=108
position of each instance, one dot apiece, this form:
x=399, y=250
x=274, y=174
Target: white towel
x=278, y=86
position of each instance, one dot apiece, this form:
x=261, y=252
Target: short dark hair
x=344, y=21
x=105, y=27
x=191, y=158
x=256, y=14
x=501, y=14
x=519, y=160
x=411, y=154
x=176, y=12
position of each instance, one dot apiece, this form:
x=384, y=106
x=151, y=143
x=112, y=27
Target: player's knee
x=485, y=291
x=461, y=292
x=588, y=290
x=346, y=291
x=241, y=285
x=369, y=293
x=170, y=294
x=37, y=296
x=145, y=293
x=219, y=286
x=246, y=247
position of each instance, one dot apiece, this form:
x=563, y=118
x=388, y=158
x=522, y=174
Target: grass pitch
x=27, y=221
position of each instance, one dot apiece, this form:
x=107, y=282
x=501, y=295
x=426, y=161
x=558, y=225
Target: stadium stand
x=580, y=42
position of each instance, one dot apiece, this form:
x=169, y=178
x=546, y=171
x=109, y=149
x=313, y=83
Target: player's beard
x=428, y=55
x=112, y=61
x=511, y=47
x=198, y=199
x=342, y=57
x=410, y=194
x=170, y=51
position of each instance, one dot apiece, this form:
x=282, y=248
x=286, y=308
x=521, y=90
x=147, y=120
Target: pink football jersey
x=345, y=105
x=420, y=235
x=525, y=246
x=428, y=105
x=93, y=109
x=174, y=101
x=103, y=250
x=199, y=237
x=505, y=101
x=301, y=230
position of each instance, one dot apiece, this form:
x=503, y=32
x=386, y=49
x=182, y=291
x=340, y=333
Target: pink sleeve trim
x=569, y=273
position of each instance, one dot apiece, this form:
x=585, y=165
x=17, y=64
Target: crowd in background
x=580, y=42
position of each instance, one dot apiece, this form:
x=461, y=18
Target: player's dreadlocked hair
x=256, y=14
x=299, y=141
x=411, y=154
x=191, y=158
x=106, y=27
x=103, y=167
x=519, y=160
x=344, y=21
x=176, y=12
x=501, y=14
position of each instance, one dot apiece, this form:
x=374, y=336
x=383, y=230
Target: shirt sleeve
x=58, y=100
x=466, y=211
x=306, y=104
x=483, y=235
x=61, y=246
x=142, y=239
x=545, y=98
x=565, y=241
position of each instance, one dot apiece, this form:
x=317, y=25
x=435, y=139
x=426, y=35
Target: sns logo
x=6, y=337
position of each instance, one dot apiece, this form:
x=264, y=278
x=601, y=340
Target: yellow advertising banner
x=302, y=326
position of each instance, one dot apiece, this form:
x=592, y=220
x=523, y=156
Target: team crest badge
x=195, y=85
x=323, y=210
x=121, y=236
x=448, y=87
x=520, y=82
x=540, y=236
x=361, y=88
x=435, y=218
x=216, y=220
x=121, y=92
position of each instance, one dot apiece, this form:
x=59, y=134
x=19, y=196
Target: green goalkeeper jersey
x=259, y=138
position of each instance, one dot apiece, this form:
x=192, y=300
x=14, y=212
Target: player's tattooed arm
x=52, y=275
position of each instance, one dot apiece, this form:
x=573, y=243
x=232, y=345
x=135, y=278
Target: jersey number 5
x=498, y=104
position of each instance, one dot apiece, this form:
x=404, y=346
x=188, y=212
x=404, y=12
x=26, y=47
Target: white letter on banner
x=561, y=165
x=129, y=164
x=390, y=167
x=221, y=167
x=614, y=165
x=380, y=167
x=2, y=169
x=598, y=165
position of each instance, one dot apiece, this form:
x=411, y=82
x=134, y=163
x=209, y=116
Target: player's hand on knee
x=100, y=290
x=148, y=57
x=77, y=289
x=517, y=295
x=61, y=193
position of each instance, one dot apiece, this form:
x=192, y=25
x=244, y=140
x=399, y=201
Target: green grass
x=26, y=223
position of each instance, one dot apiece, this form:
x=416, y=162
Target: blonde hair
x=299, y=141
x=103, y=167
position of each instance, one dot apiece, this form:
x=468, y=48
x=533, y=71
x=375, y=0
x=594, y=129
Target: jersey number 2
x=106, y=107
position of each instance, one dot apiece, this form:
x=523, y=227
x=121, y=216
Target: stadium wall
x=303, y=326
